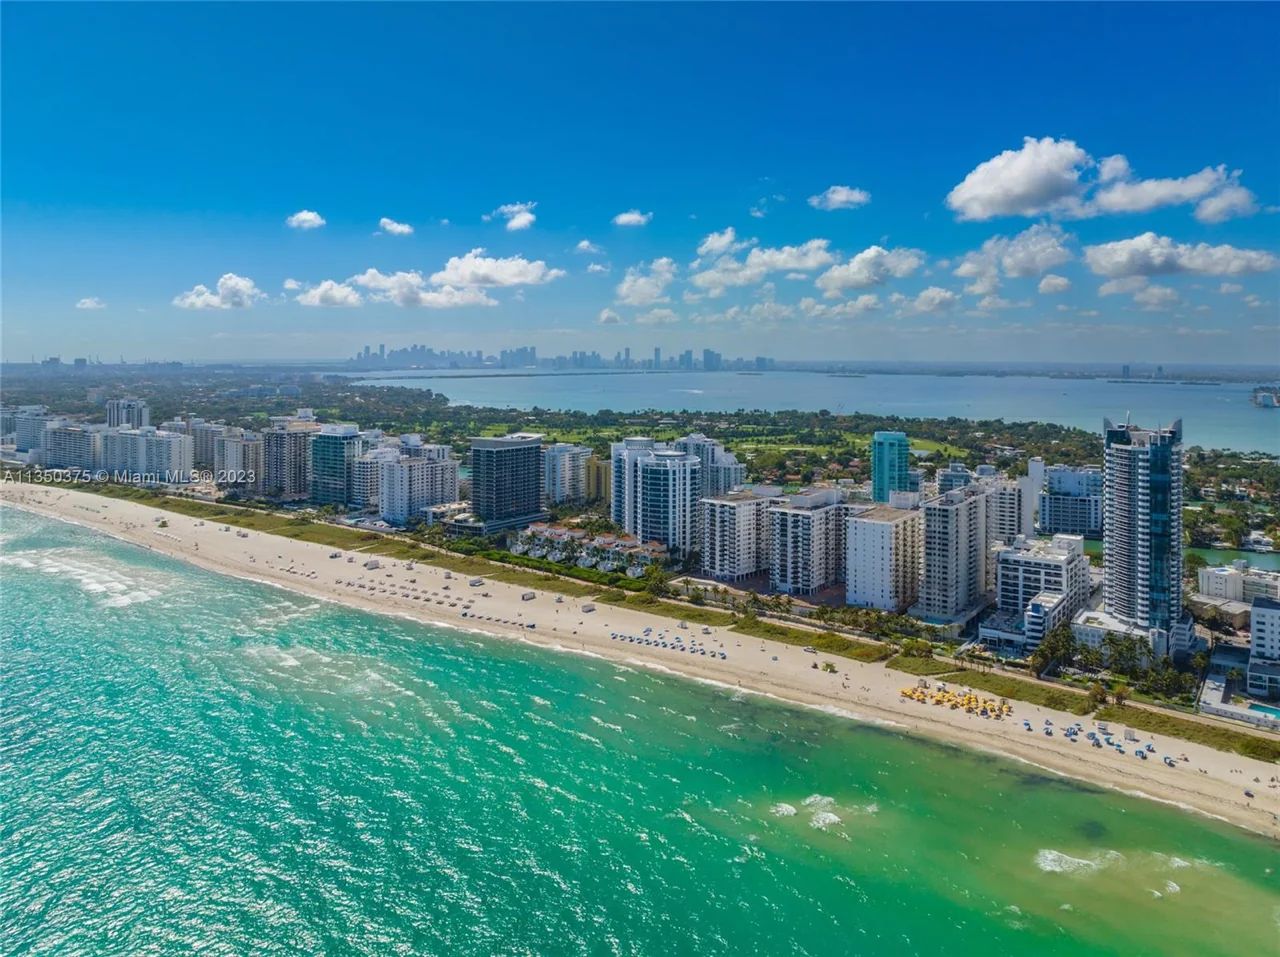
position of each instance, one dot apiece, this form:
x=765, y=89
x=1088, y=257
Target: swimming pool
x=1265, y=709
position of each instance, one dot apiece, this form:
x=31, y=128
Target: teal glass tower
x=890, y=464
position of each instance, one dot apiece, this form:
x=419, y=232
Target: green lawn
x=920, y=666
x=823, y=641
x=669, y=609
x=1007, y=687
x=1223, y=739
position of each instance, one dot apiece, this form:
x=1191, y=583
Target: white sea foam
x=823, y=820
x=1056, y=862
x=782, y=809
x=819, y=801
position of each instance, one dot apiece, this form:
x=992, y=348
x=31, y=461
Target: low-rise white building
x=884, y=547
x=1238, y=582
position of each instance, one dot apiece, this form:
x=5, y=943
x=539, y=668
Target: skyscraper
x=506, y=480
x=721, y=470
x=1142, y=524
x=890, y=463
x=333, y=455
x=564, y=473
x=127, y=414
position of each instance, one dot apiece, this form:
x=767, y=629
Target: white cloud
x=518, y=215
x=1043, y=176
x=871, y=267
x=90, y=302
x=757, y=212
x=933, y=299
x=1152, y=255
x=305, y=219
x=1254, y=301
x=1230, y=288
x=996, y=302
x=840, y=197
x=727, y=272
x=848, y=309
x=291, y=285
x=1232, y=202
x=641, y=288
x=330, y=293
x=1029, y=253
x=1047, y=176
x=233, y=292
x=1051, y=285
x=587, y=246
x=1154, y=298
x=476, y=269
x=632, y=217
x=1123, y=286
x=718, y=244
x=391, y=227
x=410, y=289
x=609, y=318
x=598, y=268
x=657, y=317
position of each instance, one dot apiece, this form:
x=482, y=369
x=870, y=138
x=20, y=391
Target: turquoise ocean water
x=194, y=762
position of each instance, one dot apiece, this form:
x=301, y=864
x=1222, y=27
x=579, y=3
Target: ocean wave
x=1057, y=862
x=783, y=809
x=824, y=819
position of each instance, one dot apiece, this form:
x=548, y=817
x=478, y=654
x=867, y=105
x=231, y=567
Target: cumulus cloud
x=1152, y=255
x=291, y=285
x=646, y=285
x=718, y=244
x=848, y=309
x=411, y=289
x=392, y=228
x=1122, y=286
x=305, y=219
x=1051, y=285
x=657, y=317
x=1230, y=288
x=727, y=272
x=1029, y=253
x=1231, y=203
x=477, y=269
x=1052, y=177
x=632, y=217
x=1154, y=298
x=1043, y=176
x=518, y=215
x=840, y=197
x=598, y=267
x=871, y=267
x=933, y=299
x=233, y=292
x=90, y=302
x=330, y=293
x=608, y=317
x=587, y=246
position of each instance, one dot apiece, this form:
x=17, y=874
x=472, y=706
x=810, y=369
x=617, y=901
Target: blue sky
x=925, y=182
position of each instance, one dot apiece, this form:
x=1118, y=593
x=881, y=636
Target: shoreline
x=1210, y=782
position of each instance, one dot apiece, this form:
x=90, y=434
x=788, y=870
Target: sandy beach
x=1211, y=782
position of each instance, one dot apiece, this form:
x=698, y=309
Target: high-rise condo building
x=1039, y=586
x=286, y=454
x=410, y=485
x=157, y=457
x=890, y=465
x=29, y=423
x=721, y=470
x=506, y=481
x=954, y=579
x=807, y=542
x=1071, y=502
x=564, y=473
x=599, y=486
x=670, y=486
x=956, y=475
x=735, y=532
x=334, y=450
x=127, y=413
x=1262, y=677
x=1142, y=531
x=624, y=497
x=69, y=446
x=238, y=460
x=884, y=550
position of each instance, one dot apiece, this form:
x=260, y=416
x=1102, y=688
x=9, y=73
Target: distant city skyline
x=238, y=201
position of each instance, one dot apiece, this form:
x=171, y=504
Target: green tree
x=1120, y=694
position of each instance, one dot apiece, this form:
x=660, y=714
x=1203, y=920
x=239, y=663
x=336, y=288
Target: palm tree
x=1120, y=694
